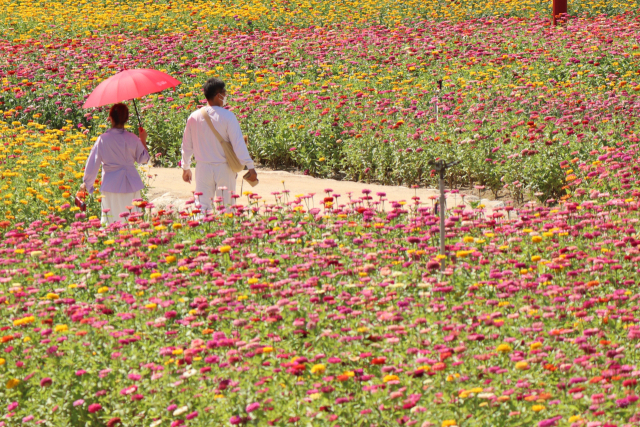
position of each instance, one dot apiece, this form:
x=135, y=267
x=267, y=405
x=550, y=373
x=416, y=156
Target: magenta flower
x=129, y=390
x=94, y=407
x=550, y=422
x=252, y=407
x=622, y=403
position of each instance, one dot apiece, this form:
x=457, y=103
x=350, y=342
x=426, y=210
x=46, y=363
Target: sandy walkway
x=167, y=187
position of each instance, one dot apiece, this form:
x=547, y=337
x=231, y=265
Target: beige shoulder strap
x=232, y=159
x=205, y=114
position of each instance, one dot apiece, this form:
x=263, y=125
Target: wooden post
x=559, y=7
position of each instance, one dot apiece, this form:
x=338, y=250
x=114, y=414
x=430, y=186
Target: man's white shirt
x=200, y=142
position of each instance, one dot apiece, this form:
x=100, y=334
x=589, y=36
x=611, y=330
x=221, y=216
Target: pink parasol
x=129, y=84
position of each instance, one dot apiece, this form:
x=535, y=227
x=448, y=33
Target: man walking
x=214, y=176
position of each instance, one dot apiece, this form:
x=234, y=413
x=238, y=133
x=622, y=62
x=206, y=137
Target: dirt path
x=166, y=187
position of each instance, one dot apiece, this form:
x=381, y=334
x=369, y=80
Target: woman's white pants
x=117, y=203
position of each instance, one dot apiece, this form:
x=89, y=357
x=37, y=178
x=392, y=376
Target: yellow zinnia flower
x=318, y=369
x=503, y=348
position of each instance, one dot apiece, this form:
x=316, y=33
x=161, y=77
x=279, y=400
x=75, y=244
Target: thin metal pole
x=442, y=207
x=438, y=97
x=135, y=106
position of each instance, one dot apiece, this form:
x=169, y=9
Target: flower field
x=327, y=309
x=336, y=314
x=352, y=100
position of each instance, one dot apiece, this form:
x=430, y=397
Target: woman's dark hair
x=212, y=88
x=119, y=113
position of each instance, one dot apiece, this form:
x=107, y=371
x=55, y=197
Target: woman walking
x=117, y=151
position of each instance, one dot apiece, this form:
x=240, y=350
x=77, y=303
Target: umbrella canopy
x=129, y=84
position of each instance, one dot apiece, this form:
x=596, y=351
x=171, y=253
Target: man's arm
x=187, y=145
x=187, y=151
x=238, y=142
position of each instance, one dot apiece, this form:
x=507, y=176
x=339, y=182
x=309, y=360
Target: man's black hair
x=212, y=88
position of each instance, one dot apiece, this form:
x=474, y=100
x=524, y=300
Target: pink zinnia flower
x=252, y=407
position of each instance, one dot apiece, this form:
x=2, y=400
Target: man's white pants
x=211, y=178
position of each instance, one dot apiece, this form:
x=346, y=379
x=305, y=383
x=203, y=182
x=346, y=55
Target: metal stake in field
x=438, y=97
x=441, y=167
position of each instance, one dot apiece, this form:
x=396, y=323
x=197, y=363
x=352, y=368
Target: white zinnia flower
x=189, y=373
x=180, y=411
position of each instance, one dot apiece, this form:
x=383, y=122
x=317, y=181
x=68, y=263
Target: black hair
x=212, y=88
x=119, y=113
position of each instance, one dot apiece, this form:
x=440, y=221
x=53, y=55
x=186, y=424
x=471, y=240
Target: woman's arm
x=91, y=169
x=143, y=137
x=142, y=153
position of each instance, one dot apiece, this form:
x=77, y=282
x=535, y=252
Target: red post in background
x=559, y=7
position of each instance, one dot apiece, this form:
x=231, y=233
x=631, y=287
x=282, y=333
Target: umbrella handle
x=135, y=106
